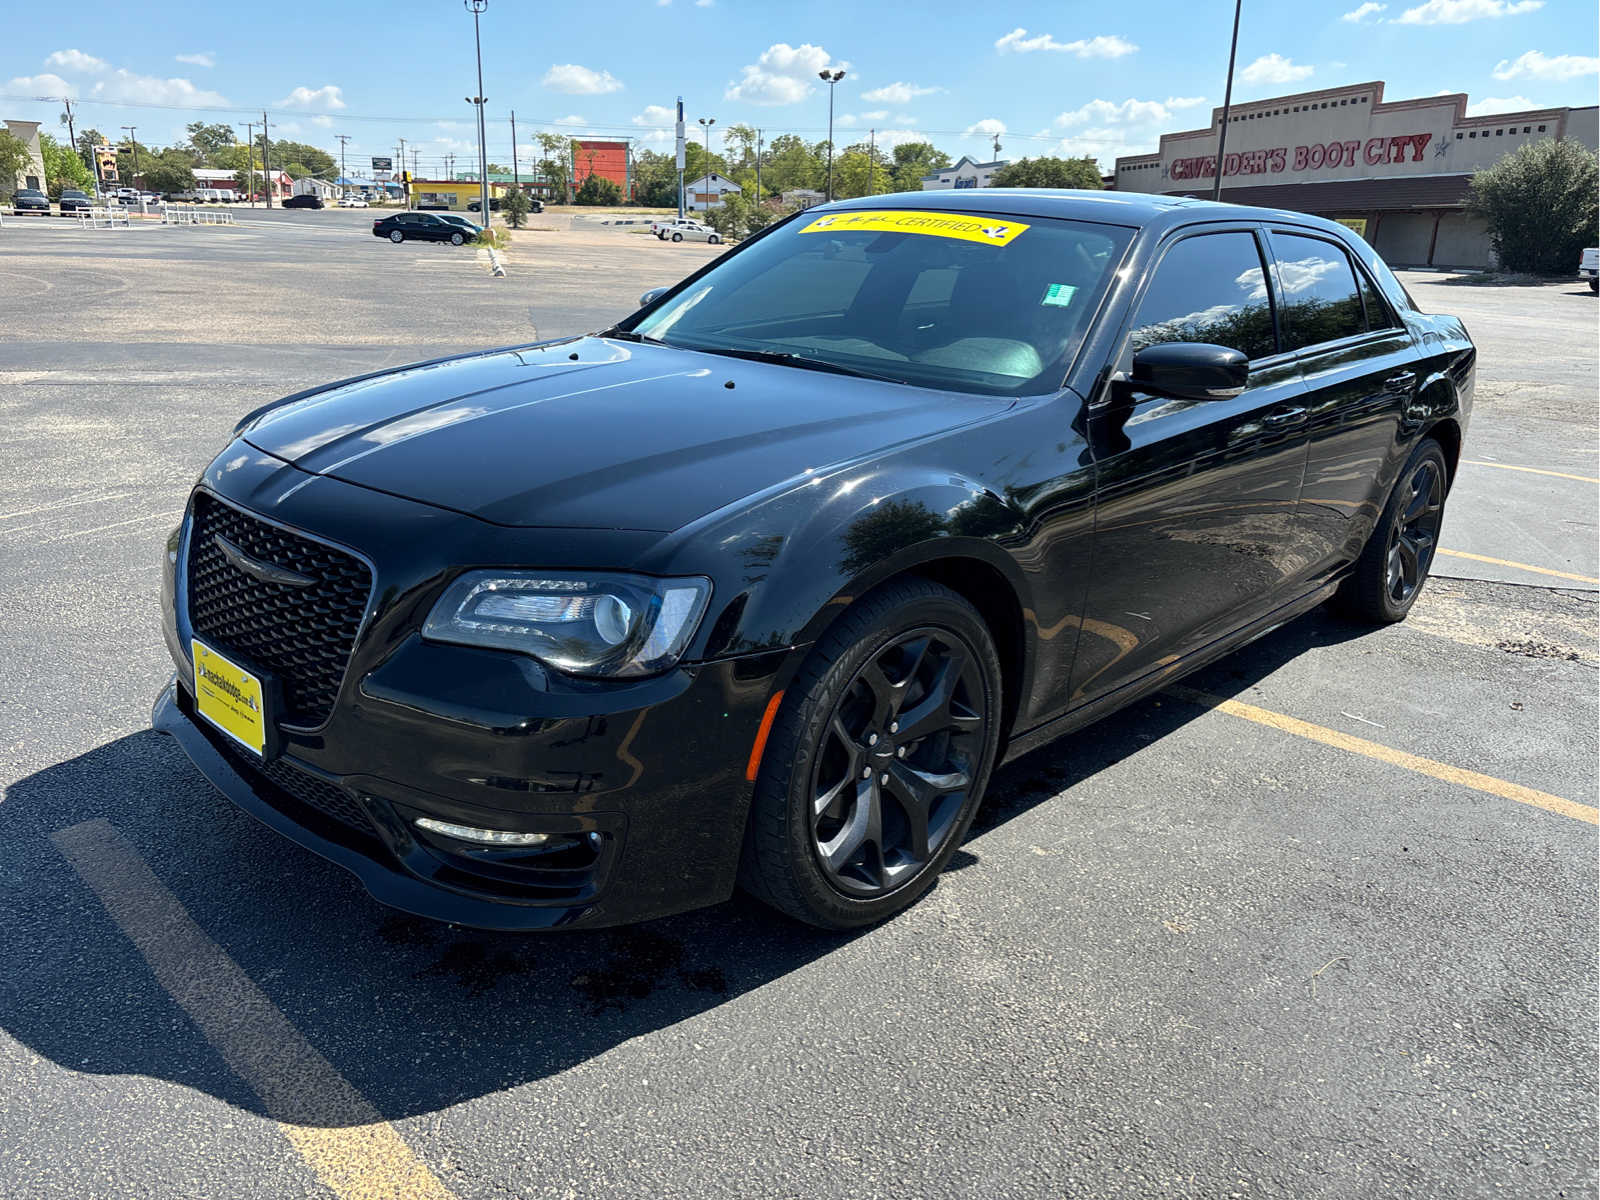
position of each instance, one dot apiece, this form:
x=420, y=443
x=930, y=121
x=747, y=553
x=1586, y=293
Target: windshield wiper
x=787, y=358
x=628, y=335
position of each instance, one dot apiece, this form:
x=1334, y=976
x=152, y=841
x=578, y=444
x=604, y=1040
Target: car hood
x=596, y=432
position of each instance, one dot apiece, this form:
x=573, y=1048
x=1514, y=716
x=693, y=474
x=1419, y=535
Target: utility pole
x=405, y=192
x=706, y=123
x=758, y=166
x=872, y=162
x=416, y=156
x=997, y=147
x=344, y=176
x=516, y=176
x=1227, y=104
x=830, y=78
x=134, y=142
x=266, y=159
x=72, y=134
x=250, y=159
x=678, y=129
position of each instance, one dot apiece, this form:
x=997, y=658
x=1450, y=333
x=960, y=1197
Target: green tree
x=1049, y=173
x=128, y=153
x=14, y=160
x=88, y=139
x=556, y=166
x=1540, y=206
x=207, y=141
x=791, y=163
x=170, y=171
x=300, y=160
x=913, y=160
x=852, y=173
x=63, y=168
x=515, y=206
x=598, y=190
x=655, y=180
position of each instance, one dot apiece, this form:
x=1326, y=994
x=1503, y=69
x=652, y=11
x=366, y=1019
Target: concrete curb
x=496, y=267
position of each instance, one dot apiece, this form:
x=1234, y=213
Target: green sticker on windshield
x=1059, y=294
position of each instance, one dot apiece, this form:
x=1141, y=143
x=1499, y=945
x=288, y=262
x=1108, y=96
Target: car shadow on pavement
x=417, y=1016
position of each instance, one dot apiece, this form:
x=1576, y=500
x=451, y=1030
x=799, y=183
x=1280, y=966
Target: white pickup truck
x=1589, y=268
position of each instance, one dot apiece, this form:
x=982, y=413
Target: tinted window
x=1210, y=288
x=964, y=301
x=1378, y=314
x=1316, y=292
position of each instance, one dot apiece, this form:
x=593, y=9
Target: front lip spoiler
x=387, y=885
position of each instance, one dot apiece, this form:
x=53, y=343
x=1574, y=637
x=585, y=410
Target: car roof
x=1137, y=209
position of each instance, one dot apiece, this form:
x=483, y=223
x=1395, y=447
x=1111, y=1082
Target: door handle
x=1401, y=382
x=1286, y=415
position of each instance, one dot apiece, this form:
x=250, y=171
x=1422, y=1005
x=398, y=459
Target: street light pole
x=250, y=159
x=830, y=78
x=706, y=123
x=476, y=8
x=1227, y=104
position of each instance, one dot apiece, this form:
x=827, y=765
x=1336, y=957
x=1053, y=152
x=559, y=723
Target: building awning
x=1395, y=194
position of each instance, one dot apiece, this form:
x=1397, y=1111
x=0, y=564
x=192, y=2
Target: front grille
x=303, y=786
x=301, y=635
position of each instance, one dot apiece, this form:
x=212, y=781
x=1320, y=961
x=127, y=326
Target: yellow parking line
x=355, y=1153
x=1478, y=462
x=1387, y=754
x=1506, y=562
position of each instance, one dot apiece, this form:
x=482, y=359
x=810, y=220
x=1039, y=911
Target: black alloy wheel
x=897, y=762
x=456, y=239
x=878, y=759
x=1389, y=575
x=1414, y=534
x=396, y=236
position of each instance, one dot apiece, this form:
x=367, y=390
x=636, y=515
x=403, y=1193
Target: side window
x=1210, y=288
x=1378, y=314
x=1316, y=291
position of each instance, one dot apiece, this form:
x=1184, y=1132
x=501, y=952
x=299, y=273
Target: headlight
x=584, y=623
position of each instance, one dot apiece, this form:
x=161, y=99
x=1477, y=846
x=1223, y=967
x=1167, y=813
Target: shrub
x=515, y=206
x=1540, y=205
x=598, y=190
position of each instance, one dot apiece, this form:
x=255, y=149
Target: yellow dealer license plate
x=229, y=697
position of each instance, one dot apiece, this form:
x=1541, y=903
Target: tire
x=713, y=240
x=396, y=236
x=838, y=733
x=677, y=237
x=457, y=239
x=1594, y=286
x=1393, y=567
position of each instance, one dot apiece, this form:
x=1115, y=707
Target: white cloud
x=877, y=114
x=1105, y=129
x=322, y=97
x=1358, y=15
x=1274, y=68
x=1104, y=46
x=987, y=127
x=784, y=74
x=1491, y=106
x=76, y=60
x=656, y=114
x=127, y=87
x=1534, y=65
x=323, y=121
x=704, y=3
x=1459, y=12
x=847, y=120
x=570, y=119
x=888, y=139
x=203, y=58
x=897, y=93
x=580, y=81
x=43, y=85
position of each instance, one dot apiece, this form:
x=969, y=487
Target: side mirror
x=653, y=295
x=1191, y=371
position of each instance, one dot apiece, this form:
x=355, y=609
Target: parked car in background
x=464, y=222
x=424, y=227
x=73, y=200
x=352, y=202
x=1589, y=268
x=307, y=201
x=685, y=230
x=477, y=205
x=759, y=585
x=30, y=200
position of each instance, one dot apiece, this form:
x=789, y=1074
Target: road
x=1320, y=924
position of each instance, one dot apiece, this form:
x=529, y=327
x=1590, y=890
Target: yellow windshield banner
x=988, y=230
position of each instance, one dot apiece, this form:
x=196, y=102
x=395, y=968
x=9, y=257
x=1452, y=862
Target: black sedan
x=75, y=201
x=425, y=227
x=307, y=201
x=30, y=200
x=759, y=585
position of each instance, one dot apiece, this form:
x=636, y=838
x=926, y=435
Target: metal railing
x=102, y=218
x=190, y=214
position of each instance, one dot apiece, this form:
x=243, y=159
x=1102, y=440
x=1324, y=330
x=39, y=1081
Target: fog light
x=483, y=837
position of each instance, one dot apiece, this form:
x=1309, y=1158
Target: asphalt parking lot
x=1321, y=922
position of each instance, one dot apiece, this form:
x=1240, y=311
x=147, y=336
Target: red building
x=609, y=159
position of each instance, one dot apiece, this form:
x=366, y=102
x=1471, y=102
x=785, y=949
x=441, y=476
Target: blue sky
x=1049, y=78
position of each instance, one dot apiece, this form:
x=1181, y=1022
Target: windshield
x=961, y=301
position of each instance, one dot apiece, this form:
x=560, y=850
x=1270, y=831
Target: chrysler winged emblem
x=256, y=569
